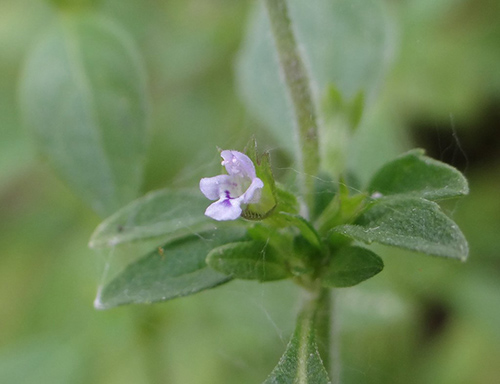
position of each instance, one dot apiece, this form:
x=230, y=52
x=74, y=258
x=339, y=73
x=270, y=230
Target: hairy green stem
x=299, y=91
x=334, y=364
x=317, y=307
x=323, y=322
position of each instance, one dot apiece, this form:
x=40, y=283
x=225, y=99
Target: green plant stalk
x=299, y=91
x=323, y=337
x=317, y=308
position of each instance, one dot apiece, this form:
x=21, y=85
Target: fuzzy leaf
x=415, y=174
x=176, y=269
x=164, y=214
x=350, y=266
x=409, y=223
x=248, y=260
x=83, y=95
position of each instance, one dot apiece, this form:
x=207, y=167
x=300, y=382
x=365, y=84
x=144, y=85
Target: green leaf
x=301, y=363
x=350, y=266
x=334, y=107
x=332, y=102
x=356, y=110
x=165, y=214
x=342, y=209
x=174, y=270
x=83, y=95
x=287, y=201
x=415, y=174
x=325, y=189
x=304, y=227
x=356, y=64
x=409, y=223
x=250, y=260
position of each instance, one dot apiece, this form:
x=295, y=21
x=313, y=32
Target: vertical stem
x=334, y=347
x=299, y=90
x=318, y=307
x=323, y=322
x=321, y=305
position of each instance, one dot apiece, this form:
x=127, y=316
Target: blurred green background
x=422, y=320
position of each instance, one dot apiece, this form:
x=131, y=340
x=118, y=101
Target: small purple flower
x=239, y=186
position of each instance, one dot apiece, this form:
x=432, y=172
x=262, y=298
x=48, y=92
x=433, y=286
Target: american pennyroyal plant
x=315, y=238
x=256, y=228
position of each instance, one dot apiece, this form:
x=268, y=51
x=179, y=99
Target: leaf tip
x=98, y=303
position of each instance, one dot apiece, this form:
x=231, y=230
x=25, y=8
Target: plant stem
x=319, y=304
x=323, y=339
x=318, y=307
x=334, y=367
x=299, y=91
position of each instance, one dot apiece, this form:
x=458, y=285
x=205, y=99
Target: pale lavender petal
x=252, y=194
x=224, y=209
x=211, y=187
x=230, y=189
x=238, y=164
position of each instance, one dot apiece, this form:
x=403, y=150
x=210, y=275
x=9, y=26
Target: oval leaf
x=164, y=214
x=333, y=35
x=251, y=260
x=409, y=223
x=415, y=174
x=176, y=269
x=350, y=266
x=83, y=95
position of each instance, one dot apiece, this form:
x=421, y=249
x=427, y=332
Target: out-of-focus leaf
x=251, y=260
x=409, y=223
x=345, y=43
x=350, y=266
x=356, y=110
x=164, y=214
x=334, y=107
x=83, y=95
x=176, y=269
x=415, y=174
x=301, y=363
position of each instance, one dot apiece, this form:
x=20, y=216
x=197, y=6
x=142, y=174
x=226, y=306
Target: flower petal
x=211, y=187
x=224, y=209
x=252, y=194
x=238, y=164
